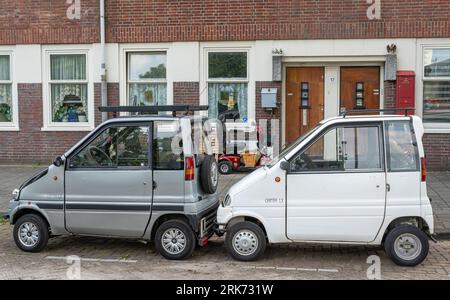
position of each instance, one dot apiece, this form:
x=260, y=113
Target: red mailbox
x=405, y=90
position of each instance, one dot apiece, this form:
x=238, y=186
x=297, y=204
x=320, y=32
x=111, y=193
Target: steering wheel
x=99, y=156
x=309, y=162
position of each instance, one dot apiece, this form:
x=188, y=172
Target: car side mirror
x=58, y=161
x=285, y=166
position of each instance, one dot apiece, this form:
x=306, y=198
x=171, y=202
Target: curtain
x=142, y=94
x=218, y=94
x=68, y=67
x=59, y=92
x=4, y=67
x=5, y=103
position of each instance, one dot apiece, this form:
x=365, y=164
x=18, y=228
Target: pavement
x=104, y=258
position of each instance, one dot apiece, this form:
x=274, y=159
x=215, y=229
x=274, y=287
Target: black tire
x=408, y=233
x=257, y=234
x=225, y=167
x=41, y=232
x=190, y=240
x=209, y=174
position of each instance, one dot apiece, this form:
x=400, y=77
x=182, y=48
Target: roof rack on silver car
x=152, y=109
x=359, y=111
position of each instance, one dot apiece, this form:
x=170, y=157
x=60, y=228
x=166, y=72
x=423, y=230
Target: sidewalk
x=438, y=190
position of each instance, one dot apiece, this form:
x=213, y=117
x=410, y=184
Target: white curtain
x=68, y=67
x=142, y=94
x=60, y=91
x=240, y=91
x=5, y=90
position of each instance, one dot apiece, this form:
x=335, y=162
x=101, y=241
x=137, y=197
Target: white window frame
x=14, y=124
x=248, y=126
x=124, y=49
x=49, y=125
x=429, y=127
x=145, y=80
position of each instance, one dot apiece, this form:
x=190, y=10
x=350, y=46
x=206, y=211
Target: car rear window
x=403, y=155
x=167, y=146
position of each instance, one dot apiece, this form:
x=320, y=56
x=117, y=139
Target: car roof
x=366, y=118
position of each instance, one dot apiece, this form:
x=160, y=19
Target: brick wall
x=437, y=151
x=205, y=20
x=46, y=21
x=186, y=93
x=31, y=144
x=389, y=94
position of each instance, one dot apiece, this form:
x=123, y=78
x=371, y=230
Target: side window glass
x=115, y=147
x=402, y=149
x=167, y=146
x=342, y=149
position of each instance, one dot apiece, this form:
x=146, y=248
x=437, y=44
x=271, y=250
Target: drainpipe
x=104, y=85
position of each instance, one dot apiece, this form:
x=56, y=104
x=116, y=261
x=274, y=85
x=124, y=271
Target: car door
x=108, y=183
x=336, y=186
x=403, y=169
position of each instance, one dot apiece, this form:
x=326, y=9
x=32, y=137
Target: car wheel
x=245, y=241
x=31, y=233
x=175, y=240
x=225, y=167
x=406, y=245
x=209, y=175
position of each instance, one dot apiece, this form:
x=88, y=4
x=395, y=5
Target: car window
x=124, y=146
x=352, y=148
x=167, y=146
x=401, y=147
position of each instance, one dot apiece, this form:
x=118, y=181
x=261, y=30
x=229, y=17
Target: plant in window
x=5, y=112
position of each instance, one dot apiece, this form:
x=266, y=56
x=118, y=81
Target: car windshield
x=292, y=145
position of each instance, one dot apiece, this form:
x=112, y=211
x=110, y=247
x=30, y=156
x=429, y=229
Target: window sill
x=9, y=128
x=436, y=128
x=68, y=128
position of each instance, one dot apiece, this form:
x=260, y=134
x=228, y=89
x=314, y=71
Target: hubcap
x=28, y=234
x=407, y=246
x=214, y=174
x=173, y=241
x=224, y=168
x=245, y=242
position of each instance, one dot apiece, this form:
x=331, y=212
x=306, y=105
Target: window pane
x=115, y=147
x=403, y=155
x=167, y=146
x=4, y=68
x=436, y=62
x=68, y=67
x=361, y=148
x=147, y=94
x=69, y=102
x=436, y=97
x=228, y=101
x=146, y=65
x=227, y=64
x=5, y=103
x=342, y=149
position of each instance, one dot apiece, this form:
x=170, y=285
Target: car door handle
x=388, y=187
x=154, y=185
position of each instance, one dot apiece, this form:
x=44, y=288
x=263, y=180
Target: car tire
x=209, y=176
x=245, y=241
x=406, y=245
x=31, y=233
x=225, y=167
x=179, y=231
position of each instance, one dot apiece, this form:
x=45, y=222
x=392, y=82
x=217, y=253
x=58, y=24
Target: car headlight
x=227, y=201
x=15, y=194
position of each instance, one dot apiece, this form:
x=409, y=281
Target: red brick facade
x=186, y=93
x=437, y=150
x=46, y=22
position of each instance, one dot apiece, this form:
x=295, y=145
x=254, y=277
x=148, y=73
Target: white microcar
x=351, y=180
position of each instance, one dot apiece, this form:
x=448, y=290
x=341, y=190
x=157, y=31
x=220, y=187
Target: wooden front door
x=369, y=77
x=300, y=119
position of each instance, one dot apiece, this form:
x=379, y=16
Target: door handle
x=154, y=185
x=388, y=187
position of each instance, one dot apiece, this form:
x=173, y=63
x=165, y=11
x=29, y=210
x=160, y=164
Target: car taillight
x=424, y=169
x=189, y=168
